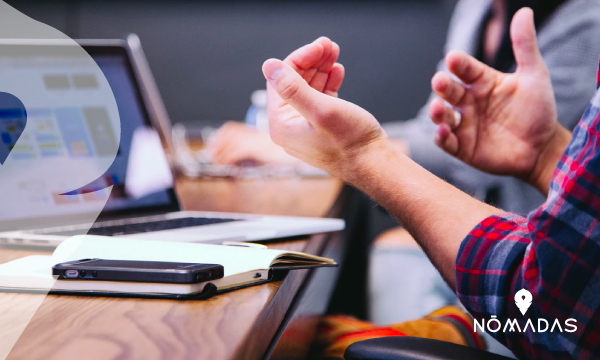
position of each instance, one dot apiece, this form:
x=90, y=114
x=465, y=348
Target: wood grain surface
x=293, y=197
x=238, y=324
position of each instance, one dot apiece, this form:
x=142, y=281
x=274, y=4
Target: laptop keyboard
x=136, y=228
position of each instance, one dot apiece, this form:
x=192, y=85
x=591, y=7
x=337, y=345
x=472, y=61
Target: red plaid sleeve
x=554, y=253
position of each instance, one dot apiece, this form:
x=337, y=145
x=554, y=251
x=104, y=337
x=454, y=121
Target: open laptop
x=154, y=211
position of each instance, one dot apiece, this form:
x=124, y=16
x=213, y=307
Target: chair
x=412, y=348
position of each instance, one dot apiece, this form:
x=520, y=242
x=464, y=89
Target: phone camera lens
x=94, y=273
x=82, y=273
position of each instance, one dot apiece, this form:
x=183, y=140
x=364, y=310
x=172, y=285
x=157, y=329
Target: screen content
x=133, y=124
x=71, y=120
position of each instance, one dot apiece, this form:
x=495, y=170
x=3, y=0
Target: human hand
x=308, y=120
x=508, y=122
x=235, y=143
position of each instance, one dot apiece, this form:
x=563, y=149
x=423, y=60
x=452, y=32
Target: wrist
x=400, y=146
x=363, y=164
x=541, y=175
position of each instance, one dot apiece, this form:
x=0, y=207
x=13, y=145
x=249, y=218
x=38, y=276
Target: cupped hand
x=305, y=116
x=507, y=121
x=317, y=64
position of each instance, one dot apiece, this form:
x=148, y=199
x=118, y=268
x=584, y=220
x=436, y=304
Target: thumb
x=294, y=90
x=524, y=42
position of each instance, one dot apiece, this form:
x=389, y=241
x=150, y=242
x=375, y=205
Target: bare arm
x=508, y=122
x=349, y=143
x=437, y=214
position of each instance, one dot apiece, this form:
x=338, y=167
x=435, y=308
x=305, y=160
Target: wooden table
x=243, y=324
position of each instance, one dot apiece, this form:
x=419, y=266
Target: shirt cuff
x=488, y=260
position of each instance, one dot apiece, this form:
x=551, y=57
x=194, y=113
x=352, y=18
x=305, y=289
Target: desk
x=242, y=324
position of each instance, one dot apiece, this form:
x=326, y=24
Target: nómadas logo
x=523, y=300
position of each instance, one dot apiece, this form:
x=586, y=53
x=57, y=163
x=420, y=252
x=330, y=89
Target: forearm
x=437, y=214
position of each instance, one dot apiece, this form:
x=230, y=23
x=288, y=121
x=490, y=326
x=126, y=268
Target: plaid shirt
x=554, y=253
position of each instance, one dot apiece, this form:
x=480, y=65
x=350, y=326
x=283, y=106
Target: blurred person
x=509, y=126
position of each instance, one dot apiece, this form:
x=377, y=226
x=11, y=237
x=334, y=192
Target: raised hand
x=508, y=122
x=235, y=143
x=305, y=116
x=310, y=123
x=317, y=64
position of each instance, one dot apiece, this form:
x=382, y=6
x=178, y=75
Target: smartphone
x=137, y=271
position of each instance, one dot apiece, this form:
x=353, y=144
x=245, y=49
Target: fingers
x=468, y=69
x=235, y=155
x=306, y=57
x=446, y=139
x=222, y=145
x=315, y=61
x=225, y=156
x=524, y=42
x=330, y=56
x=331, y=51
x=444, y=136
x=295, y=91
x=442, y=114
x=334, y=82
x=448, y=89
x=220, y=150
x=214, y=141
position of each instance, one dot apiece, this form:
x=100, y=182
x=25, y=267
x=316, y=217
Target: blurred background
x=206, y=56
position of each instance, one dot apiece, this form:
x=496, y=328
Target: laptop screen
x=64, y=131
x=134, y=123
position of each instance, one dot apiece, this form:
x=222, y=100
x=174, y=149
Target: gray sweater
x=570, y=45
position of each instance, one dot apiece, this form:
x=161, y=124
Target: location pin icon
x=523, y=299
x=13, y=118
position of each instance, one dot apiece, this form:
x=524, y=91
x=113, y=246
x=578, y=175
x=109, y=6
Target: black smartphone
x=137, y=271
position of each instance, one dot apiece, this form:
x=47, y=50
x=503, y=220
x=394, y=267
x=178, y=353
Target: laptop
x=140, y=200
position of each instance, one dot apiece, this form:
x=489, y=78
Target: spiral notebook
x=243, y=266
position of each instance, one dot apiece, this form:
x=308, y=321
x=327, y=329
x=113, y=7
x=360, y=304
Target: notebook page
x=234, y=259
x=31, y=271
